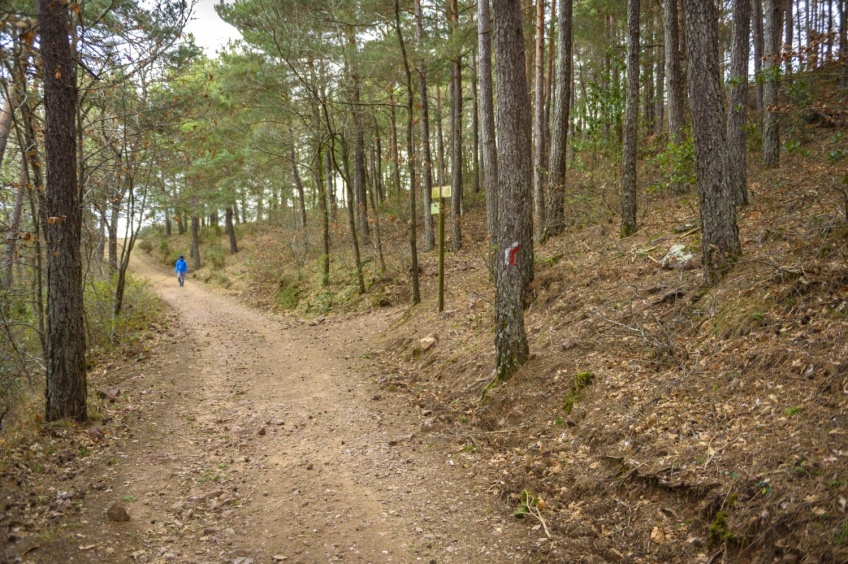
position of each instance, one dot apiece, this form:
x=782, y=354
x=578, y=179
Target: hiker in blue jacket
x=181, y=268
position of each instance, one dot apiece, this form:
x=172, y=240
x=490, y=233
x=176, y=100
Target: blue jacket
x=181, y=266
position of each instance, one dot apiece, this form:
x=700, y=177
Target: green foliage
x=719, y=530
x=526, y=501
x=288, y=293
x=146, y=246
x=216, y=257
x=582, y=380
x=677, y=167
x=840, y=535
x=141, y=308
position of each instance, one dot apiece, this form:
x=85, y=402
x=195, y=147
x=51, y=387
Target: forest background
x=296, y=168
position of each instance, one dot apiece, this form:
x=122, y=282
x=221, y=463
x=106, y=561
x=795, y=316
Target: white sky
x=210, y=32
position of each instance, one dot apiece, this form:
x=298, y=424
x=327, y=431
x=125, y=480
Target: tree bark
x=737, y=109
x=66, y=390
x=14, y=227
x=659, y=72
x=456, y=146
x=487, y=117
x=540, y=175
x=631, y=116
x=719, y=233
x=413, y=244
x=394, y=141
x=427, y=168
x=759, y=47
x=301, y=194
x=359, y=164
x=771, y=78
x=648, y=77
x=195, y=241
x=674, y=78
x=515, y=177
x=325, y=215
x=6, y=119
x=440, y=137
x=555, y=220
x=475, y=125
x=228, y=218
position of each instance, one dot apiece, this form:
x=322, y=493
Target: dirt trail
x=268, y=442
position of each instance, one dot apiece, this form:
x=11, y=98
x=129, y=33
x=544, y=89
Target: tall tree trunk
x=759, y=48
x=515, y=177
x=427, y=168
x=394, y=141
x=719, y=233
x=6, y=118
x=487, y=118
x=456, y=138
x=331, y=184
x=66, y=391
x=359, y=164
x=648, y=77
x=659, y=72
x=475, y=125
x=113, y=231
x=549, y=79
x=673, y=74
x=14, y=227
x=377, y=235
x=440, y=138
x=737, y=109
x=195, y=241
x=100, y=252
x=168, y=225
x=378, y=171
x=771, y=78
x=413, y=244
x=631, y=116
x=325, y=214
x=555, y=220
x=539, y=176
x=301, y=194
x=228, y=218
x=788, y=21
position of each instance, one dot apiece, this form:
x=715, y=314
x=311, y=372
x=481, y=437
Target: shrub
x=216, y=257
x=146, y=246
x=141, y=308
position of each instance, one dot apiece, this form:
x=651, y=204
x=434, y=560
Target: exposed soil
x=247, y=437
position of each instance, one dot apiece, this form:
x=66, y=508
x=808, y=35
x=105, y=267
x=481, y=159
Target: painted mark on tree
x=510, y=253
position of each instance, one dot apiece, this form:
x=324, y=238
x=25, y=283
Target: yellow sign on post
x=440, y=192
x=435, y=208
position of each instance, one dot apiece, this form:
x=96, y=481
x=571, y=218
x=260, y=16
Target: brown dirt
x=248, y=437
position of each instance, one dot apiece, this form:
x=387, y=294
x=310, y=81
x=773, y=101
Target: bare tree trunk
x=487, y=117
x=555, y=220
x=228, y=218
x=331, y=185
x=787, y=48
x=359, y=164
x=771, y=78
x=440, y=137
x=413, y=244
x=66, y=391
x=648, y=77
x=325, y=214
x=674, y=78
x=539, y=173
x=475, y=125
x=427, y=169
x=113, y=231
x=168, y=226
x=6, y=118
x=719, y=233
x=759, y=47
x=515, y=174
x=659, y=73
x=195, y=241
x=381, y=187
x=301, y=195
x=394, y=141
x=456, y=138
x=14, y=227
x=737, y=110
x=631, y=116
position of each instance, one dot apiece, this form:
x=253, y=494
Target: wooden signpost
x=438, y=195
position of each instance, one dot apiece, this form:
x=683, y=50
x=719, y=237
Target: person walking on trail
x=181, y=268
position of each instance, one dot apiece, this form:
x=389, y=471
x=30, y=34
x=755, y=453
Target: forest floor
x=244, y=436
